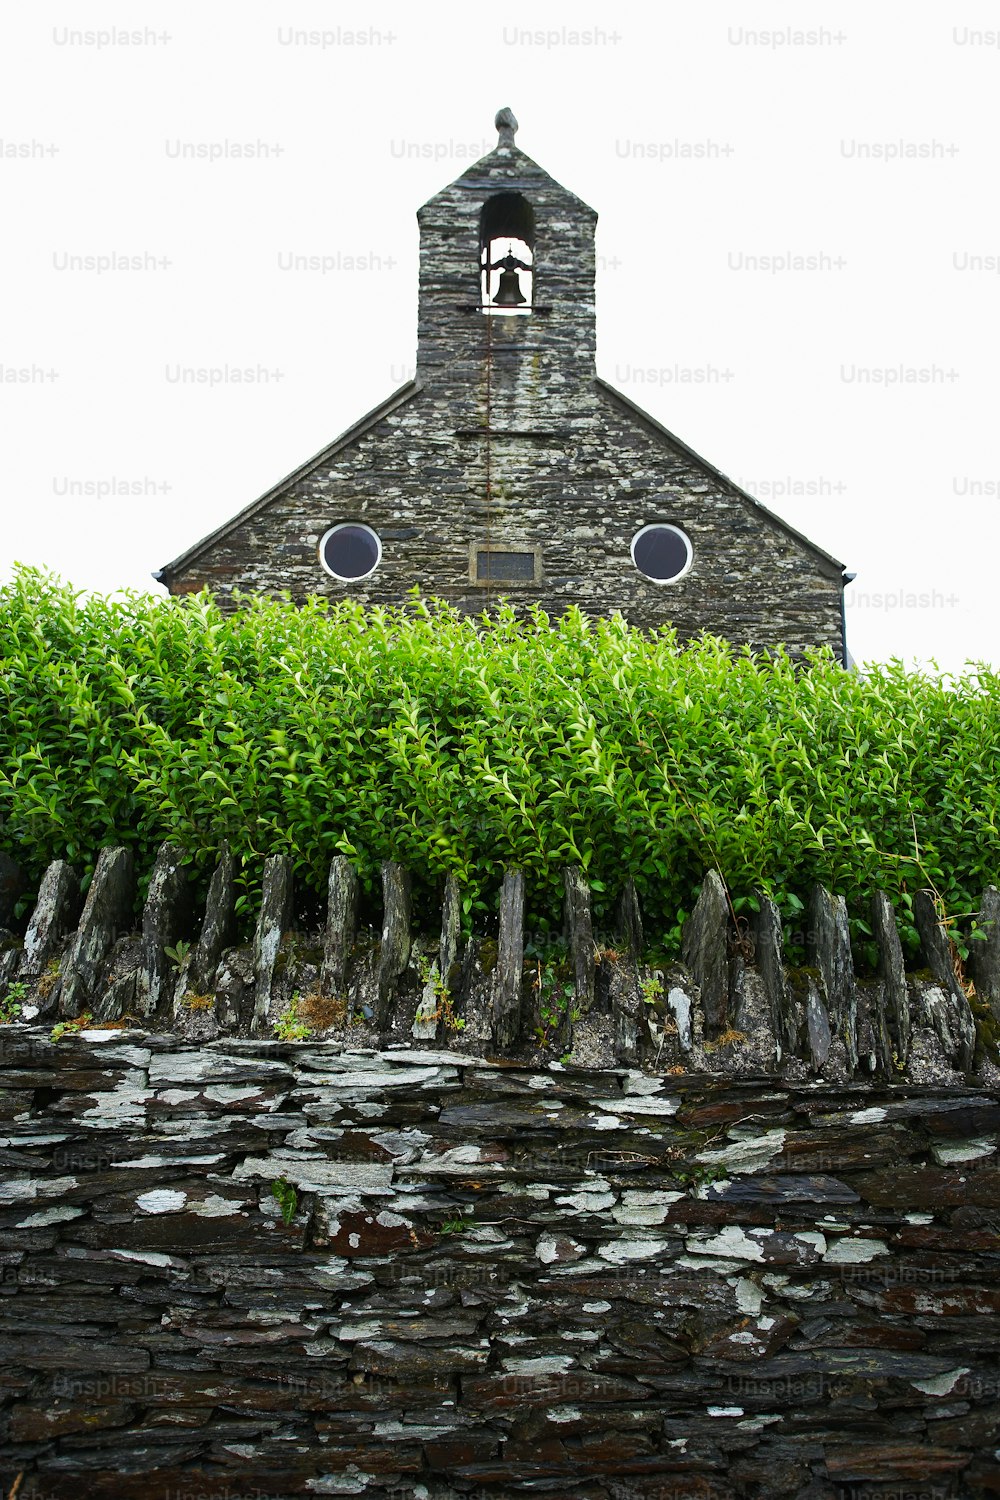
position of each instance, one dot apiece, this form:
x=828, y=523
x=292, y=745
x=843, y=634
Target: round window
x=350, y=551
x=662, y=552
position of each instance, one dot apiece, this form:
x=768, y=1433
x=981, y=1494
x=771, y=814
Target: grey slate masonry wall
x=492, y=1281
x=507, y=438
x=741, y=1241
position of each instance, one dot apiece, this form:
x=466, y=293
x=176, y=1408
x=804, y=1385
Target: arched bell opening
x=507, y=254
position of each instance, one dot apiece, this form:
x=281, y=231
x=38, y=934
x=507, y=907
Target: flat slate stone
x=317, y=1174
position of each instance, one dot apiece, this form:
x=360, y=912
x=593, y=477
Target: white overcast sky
x=857, y=397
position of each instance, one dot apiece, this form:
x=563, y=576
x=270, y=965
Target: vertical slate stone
x=107, y=912
x=427, y=1020
x=275, y=919
x=892, y=973
x=580, y=936
x=451, y=929
x=705, y=950
x=164, y=918
x=769, y=957
x=394, y=954
x=829, y=948
x=630, y=920
x=951, y=1016
x=510, y=962
x=874, y=1038
x=11, y=885
x=984, y=955
x=218, y=927
x=341, y=924
x=626, y=1004
x=10, y=960
x=55, y=912
x=818, y=1033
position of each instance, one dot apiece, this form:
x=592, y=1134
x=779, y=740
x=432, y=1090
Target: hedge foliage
x=456, y=744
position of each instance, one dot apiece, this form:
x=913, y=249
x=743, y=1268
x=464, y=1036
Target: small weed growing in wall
x=651, y=989
x=178, y=954
x=727, y=1038
x=10, y=1005
x=191, y=1001
x=288, y=1027
x=555, y=994
x=319, y=1012
x=456, y=1226
x=445, y=1007
x=67, y=1028
x=700, y=1176
x=286, y=1198
x=49, y=979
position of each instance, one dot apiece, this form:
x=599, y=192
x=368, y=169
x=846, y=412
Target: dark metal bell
x=509, y=292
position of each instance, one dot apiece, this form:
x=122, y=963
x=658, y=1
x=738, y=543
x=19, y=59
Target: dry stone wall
x=732, y=1006
x=741, y=1239
x=488, y=1280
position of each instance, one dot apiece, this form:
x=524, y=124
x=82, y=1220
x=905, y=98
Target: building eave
x=703, y=463
x=175, y=569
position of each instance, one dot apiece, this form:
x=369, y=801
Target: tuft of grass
x=286, y=1198
x=319, y=1012
x=288, y=1027
x=79, y=1023
x=191, y=1001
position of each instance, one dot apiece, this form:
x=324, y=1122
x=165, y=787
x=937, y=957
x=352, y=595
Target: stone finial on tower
x=506, y=123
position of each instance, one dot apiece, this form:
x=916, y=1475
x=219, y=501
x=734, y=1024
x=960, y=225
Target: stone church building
x=509, y=468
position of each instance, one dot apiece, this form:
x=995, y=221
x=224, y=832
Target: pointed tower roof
x=505, y=167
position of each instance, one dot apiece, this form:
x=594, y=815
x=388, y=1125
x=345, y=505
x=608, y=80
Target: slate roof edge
x=478, y=177
x=677, y=442
x=399, y=398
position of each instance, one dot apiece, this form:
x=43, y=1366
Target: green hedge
x=456, y=744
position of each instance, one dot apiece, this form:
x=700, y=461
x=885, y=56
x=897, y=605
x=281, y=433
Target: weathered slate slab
x=893, y=974
x=984, y=954
x=11, y=885
x=451, y=930
x=341, y=924
x=948, y=1010
x=218, y=925
x=705, y=951
x=629, y=925
x=579, y=935
x=164, y=918
x=875, y=1049
x=829, y=950
x=818, y=1033
x=510, y=962
x=394, y=954
x=107, y=912
x=274, y=920
x=318, y=1175
x=768, y=939
x=55, y=912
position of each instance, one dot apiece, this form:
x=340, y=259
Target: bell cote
x=508, y=246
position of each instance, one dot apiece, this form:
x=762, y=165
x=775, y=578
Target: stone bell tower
x=523, y=335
